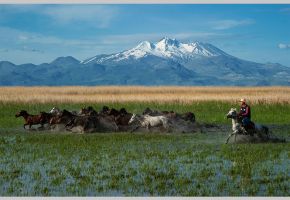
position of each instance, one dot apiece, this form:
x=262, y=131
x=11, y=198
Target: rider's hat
x=243, y=100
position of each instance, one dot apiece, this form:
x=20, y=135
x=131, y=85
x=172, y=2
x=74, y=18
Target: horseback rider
x=245, y=114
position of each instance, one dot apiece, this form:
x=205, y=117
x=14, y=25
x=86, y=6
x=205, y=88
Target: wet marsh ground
x=123, y=164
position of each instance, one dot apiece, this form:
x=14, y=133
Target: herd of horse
x=88, y=119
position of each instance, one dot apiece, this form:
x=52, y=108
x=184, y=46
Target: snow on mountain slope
x=165, y=48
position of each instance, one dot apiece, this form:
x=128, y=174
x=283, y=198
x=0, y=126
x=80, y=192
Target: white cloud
x=97, y=15
x=22, y=37
x=283, y=46
x=229, y=23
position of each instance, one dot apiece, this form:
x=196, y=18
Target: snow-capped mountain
x=165, y=48
x=166, y=62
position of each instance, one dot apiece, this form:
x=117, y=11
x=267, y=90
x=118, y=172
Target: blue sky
x=40, y=33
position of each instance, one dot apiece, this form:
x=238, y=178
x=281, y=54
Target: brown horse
x=30, y=119
x=123, y=119
x=188, y=116
x=65, y=117
x=113, y=112
x=87, y=122
x=104, y=110
x=89, y=111
x=46, y=117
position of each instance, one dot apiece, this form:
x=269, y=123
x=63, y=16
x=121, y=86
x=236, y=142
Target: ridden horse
x=30, y=119
x=148, y=121
x=237, y=127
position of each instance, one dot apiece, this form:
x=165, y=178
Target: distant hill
x=167, y=62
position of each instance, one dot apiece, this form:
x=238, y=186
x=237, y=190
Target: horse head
x=54, y=110
x=83, y=111
x=123, y=111
x=232, y=113
x=147, y=111
x=65, y=113
x=105, y=109
x=113, y=112
x=21, y=113
x=133, y=119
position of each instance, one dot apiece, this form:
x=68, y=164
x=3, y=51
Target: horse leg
x=148, y=127
x=116, y=127
x=69, y=124
x=24, y=125
x=165, y=125
x=167, y=128
x=134, y=129
x=229, y=138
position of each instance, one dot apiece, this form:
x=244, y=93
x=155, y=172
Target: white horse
x=148, y=121
x=55, y=110
x=237, y=128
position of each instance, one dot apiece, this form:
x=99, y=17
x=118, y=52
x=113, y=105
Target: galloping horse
x=89, y=111
x=237, y=128
x=30, y=119
x=46, y=117
x=148, y=121
x=55, y=110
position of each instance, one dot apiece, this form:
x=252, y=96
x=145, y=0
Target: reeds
x=162, y=94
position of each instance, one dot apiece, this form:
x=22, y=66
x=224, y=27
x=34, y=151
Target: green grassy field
x=140, y=164
x=209, y=112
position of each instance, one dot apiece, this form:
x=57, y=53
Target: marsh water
x=41, y=163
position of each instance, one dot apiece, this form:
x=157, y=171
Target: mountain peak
x=167, y=39
x=166, y=42
x=165, y=48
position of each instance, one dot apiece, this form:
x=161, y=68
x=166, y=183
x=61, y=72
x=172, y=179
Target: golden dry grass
x=117, y=94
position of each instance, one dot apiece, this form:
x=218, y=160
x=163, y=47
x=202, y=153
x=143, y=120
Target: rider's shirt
x=245, y=111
